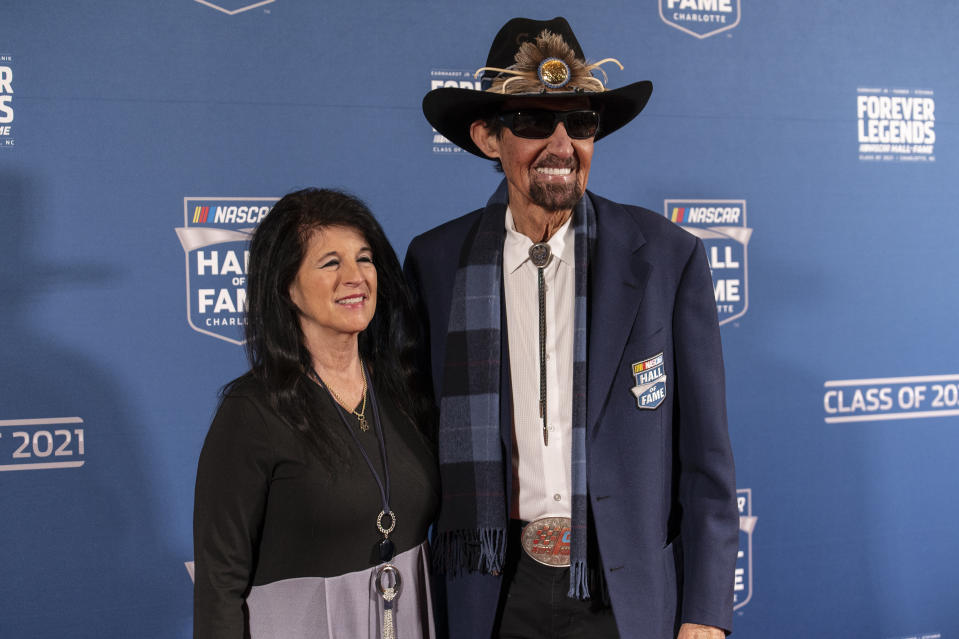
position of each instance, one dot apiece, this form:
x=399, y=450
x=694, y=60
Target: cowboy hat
x=533, y=58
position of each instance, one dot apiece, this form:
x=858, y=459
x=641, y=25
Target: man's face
x=550, y=173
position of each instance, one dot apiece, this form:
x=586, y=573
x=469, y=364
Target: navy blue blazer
x=661, y=482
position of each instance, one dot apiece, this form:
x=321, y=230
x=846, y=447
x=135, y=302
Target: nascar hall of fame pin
x=700, y=18
x=743, y=577
x=456, y=79
x=6, y=102
x=721, y=224
x=650, y=388
x=215, y=237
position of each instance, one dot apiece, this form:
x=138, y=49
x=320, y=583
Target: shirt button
x=547, y=357
x=557, y=497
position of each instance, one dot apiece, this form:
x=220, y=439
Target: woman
x=317, y=481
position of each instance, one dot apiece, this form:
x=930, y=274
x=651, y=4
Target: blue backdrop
x=812, y=145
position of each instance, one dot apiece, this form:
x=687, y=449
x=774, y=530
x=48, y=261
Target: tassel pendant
x=389, y=632
x=388, y=584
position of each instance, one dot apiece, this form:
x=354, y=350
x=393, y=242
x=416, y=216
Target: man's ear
x=482, y=137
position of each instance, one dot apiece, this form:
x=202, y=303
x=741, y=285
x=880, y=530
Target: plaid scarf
x=472, y=528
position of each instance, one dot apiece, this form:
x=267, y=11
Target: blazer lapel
x=617, y=284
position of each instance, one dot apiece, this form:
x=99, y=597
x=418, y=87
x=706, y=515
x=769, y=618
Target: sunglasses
x=536, y=124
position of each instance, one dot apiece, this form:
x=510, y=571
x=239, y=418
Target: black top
x=265, y=510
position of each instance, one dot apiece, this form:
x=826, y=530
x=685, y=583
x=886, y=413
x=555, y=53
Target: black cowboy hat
x=451, y=111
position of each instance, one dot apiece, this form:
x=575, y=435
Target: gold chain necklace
x=360, y=414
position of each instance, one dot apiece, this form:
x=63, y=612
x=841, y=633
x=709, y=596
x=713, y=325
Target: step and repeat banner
x=813, y=146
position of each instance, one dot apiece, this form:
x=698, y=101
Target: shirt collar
x=516, y=247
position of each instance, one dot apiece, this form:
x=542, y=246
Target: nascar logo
x=721, y=225
x=215, y=237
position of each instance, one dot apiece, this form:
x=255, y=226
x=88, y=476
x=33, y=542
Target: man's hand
x=696, y=631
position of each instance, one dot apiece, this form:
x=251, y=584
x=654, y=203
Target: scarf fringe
x=578, y=580
x=459, y=551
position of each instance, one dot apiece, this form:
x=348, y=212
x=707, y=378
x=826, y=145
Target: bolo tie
x=540, y=255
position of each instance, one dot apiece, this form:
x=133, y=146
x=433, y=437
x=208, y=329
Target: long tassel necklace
x=387, y=576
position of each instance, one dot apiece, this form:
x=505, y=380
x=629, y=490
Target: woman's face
x=335, y=286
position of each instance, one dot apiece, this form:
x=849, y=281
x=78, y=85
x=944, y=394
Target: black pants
x=536, y=605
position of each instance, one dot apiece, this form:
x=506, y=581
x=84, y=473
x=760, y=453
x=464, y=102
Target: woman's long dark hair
x=275, y=345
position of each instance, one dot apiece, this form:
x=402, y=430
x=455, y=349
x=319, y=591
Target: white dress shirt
x=542, y=484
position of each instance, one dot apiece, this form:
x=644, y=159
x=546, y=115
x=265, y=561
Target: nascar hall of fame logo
x=700, y=18
x=896, y=125
x=457, y=79
x=650, y=388
x=721, y=224
x=743, y=577
x=6, y=102
x=41, y=444
x=215, y=237
x=233, y=7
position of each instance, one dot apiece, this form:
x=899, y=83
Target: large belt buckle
x=547, y=541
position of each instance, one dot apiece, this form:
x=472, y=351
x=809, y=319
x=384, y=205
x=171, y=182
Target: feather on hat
x=550, y=64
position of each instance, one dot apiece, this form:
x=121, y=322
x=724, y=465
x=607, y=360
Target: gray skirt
x=344, y=607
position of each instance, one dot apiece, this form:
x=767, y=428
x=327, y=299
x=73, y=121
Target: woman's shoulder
x=245, y=396
x=248, y=399
x=246, y=385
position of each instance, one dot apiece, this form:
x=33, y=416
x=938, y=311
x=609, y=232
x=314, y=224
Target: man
x=588, y=486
